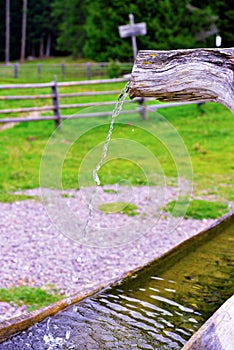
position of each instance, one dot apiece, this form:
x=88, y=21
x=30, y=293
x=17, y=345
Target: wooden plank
x=49, y=96
x=152, y=108
x=98, y=114
x=217, y=333
x=91, y=93
x=27, y=97
x=92, y=82
x=69, y=83
x=93, y=104
x=185, y=75
x=25, y=86
x=25, y=110
x=26, y=119
x=75, y=116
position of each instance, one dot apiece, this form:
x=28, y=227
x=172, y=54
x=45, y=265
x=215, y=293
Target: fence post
x=16, y=70
x=63, y=69
x=88, y=66
x=55, y=102
x=39, y=70
x=143, y=109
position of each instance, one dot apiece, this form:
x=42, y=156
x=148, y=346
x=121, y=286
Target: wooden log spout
x=185, y=75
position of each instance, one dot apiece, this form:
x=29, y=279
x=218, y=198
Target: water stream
x=115, y=113
x=159, y=307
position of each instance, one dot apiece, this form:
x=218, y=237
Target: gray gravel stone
x=8, y=310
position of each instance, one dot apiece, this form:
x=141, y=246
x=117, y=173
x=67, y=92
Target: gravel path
x=35, y=253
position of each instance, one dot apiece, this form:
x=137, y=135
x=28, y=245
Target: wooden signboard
x=132, y=29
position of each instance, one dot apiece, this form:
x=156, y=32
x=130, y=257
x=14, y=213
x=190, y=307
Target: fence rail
x=55, y=96
x=140, y=107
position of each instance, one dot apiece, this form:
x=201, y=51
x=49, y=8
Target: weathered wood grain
x=185, y=75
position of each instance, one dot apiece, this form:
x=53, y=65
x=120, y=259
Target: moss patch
x=111, y=191
x=33, y=298
x=198, y=209
x=119, y=207
x=6, y=197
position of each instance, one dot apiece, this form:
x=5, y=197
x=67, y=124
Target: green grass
x=67, y=195
x=50, y=67
x=111, y=191
x=208, y=138
x=28, y=72
x=33, y=298
x=198, y=209
x=119, y=208
x=6, y=197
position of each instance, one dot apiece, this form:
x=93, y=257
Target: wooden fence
x=55, y=97
x=139, y=104
x=64, y=71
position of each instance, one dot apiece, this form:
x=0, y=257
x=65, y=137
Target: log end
x=185, y=75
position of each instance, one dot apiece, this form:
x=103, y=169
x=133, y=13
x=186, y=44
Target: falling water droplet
x=79, y=259
x=68, y=333
x=75, y=308
x=116, y=112
x=48, y=324
x=75, y=278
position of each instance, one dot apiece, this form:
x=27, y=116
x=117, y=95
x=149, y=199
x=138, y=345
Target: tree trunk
x=185, y=75
x=33, y=51
x=48, y=45
x=41, y=50
x=24, y=24
x=7, y=49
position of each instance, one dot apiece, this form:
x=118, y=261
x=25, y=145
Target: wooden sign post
x=132, y=29
x=185, y=75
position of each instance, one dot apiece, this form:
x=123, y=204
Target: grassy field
x=208, y=136
x=64, y=68
x=28, y=72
